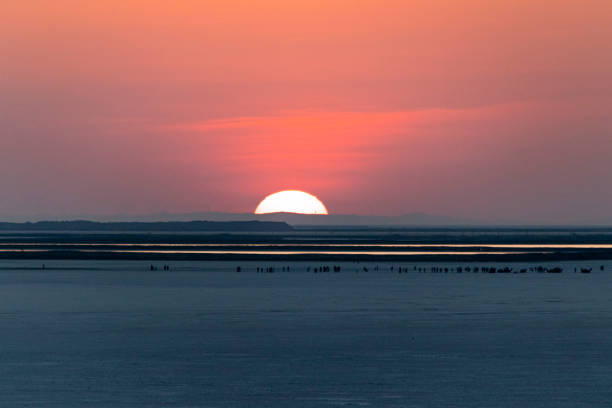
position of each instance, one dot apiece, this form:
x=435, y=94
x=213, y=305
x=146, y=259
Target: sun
x=291, y=201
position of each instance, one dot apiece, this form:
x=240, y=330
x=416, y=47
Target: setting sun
x=291, y=201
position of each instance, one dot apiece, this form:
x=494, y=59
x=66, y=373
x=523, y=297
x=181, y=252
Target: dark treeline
x=181, y=226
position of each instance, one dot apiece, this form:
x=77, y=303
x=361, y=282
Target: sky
x=493, y=111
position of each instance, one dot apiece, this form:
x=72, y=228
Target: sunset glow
x=382, y=107
x=291, y=201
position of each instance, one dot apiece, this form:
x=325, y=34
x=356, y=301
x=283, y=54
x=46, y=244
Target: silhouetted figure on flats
x=238, y=269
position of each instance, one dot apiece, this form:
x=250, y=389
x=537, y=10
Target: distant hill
x=184, y=226
x=301, y=220
x=406, y=220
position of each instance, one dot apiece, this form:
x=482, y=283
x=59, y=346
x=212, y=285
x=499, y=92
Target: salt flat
x=114, y=334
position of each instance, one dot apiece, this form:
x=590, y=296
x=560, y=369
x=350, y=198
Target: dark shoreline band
x=523, y=257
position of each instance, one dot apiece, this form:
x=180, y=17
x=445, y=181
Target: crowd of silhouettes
x=154, y=268
x=404, y=269
x=431, y=269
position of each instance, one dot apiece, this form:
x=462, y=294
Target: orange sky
x=476, y=109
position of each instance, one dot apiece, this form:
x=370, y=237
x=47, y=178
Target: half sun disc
x=291, y=201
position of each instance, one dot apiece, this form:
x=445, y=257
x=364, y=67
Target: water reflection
x=306, y=245
x=288, y=252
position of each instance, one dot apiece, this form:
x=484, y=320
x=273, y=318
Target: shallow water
x=139, y=248
x=114, y=334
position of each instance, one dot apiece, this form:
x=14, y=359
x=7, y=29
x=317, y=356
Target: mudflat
x=116, y=334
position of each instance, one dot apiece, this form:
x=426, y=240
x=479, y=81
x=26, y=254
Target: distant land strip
x=182, y=226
